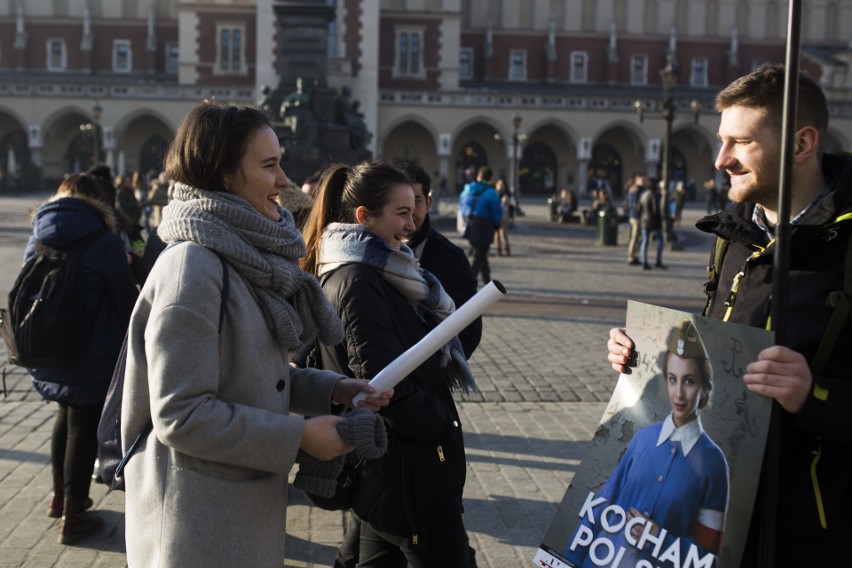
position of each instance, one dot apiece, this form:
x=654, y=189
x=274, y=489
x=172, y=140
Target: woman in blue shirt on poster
x=672, y=478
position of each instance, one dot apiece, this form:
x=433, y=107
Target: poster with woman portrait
x=670, y=477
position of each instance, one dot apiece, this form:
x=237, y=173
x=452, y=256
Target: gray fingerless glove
x=361, y=428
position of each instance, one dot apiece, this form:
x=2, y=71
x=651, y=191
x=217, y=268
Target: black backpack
x=45, y=325
x=111, y=456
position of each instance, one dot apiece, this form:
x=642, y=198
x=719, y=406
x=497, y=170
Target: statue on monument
x=265, y=99
x=298, y=115
x=348, y=114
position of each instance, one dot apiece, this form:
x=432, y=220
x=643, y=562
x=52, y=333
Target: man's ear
x=428, y=203
x=806, y=143
x=361, y=215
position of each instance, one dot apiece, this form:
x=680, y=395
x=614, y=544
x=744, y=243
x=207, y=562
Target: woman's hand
x=321, y=439
x=346, y=389
x=621, y=350
x=637, y=529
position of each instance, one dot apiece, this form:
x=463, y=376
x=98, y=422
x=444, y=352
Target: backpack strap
x=714, y=269
x=841, y=301
x=123, y=358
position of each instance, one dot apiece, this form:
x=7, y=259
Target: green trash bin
x=608, y=226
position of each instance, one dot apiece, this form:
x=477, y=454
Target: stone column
x=584, y=156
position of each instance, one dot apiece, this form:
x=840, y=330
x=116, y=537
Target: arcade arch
x=411, y=141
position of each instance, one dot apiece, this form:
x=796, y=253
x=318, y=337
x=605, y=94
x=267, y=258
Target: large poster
x=670, y=477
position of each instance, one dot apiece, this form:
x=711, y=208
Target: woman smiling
x=410, y=500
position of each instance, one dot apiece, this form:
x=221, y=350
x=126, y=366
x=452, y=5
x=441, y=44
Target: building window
x=409, y=53
x=517, y=65
x=122, y=56
x=639, y=70
x=172, y=58
x=230, y=49
x=57, y=57
x=579, y=66
x=465, y=63
x=699, y=72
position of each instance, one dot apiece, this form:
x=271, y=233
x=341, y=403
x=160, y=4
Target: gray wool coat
x=208, y=487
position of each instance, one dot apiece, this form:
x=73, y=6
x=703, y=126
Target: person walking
x=410, y=500
x=78, y=211
x=632, y=206
x=713, y=205
x=208, y=484
x=809, y=377
x=508, y=208
x=479, y=206
x=651, y=222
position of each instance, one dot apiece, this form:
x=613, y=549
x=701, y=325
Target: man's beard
x=762, y=189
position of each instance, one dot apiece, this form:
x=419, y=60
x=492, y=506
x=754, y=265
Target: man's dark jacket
x=814, y=519
x=451, y=267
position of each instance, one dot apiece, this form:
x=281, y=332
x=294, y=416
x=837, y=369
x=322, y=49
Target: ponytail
x=342, y=190
x=327, y=209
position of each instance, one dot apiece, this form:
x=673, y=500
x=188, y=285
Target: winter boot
x=76, y=523
x=57, y=500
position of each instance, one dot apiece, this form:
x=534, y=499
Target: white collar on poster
x=687, y=435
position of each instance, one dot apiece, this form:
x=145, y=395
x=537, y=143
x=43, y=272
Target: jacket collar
x=735, y=223
x=687, y=434
x=419, y=237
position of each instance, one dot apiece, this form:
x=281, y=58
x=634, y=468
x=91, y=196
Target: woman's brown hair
x=342, y=189
x=80, y=185
x=211, y=142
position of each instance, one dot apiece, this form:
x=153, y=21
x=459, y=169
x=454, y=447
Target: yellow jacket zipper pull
x=440, y=453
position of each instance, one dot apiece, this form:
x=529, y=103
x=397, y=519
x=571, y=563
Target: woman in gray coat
x=208, y=486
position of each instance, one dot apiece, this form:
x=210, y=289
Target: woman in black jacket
x=75, y=213
x=410, y=500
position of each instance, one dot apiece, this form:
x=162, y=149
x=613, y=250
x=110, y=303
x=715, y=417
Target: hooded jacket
x=815, y=468
x=110, y=293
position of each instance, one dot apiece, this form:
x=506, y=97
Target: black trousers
x=479, y=262
x=74, y=447
x=449, y=548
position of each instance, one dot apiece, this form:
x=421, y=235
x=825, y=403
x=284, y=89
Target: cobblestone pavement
x=541, y=369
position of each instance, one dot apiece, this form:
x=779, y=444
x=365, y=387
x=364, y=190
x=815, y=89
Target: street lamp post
x=96, y=115
x=92, y=128
x=516, y=140
x=668, y=77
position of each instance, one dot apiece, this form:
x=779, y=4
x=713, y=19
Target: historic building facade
x=453, y=84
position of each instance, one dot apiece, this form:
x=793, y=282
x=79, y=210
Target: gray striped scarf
x=343, y=243
x=264, y=252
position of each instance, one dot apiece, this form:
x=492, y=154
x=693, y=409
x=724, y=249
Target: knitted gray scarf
x=344, y=243
x=264, y=252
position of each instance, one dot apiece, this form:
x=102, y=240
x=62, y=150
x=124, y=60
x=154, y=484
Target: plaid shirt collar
x=758, y=216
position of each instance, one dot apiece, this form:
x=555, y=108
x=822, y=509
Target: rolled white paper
x=414, y=356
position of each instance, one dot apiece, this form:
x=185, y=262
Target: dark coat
x=820, y=436
x=419, y=482
x=110, y=294
x=649, y=210
x=451, y=267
